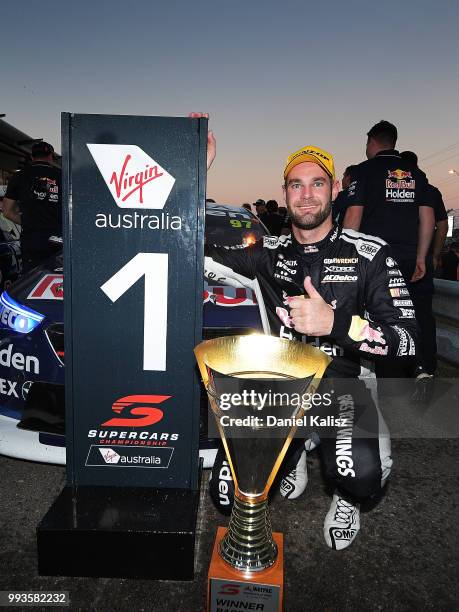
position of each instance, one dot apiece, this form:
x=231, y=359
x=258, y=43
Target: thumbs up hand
x=310, y=314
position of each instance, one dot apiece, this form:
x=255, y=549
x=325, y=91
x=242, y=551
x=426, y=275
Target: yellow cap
x=311, y=154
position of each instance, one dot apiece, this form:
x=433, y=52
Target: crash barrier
x=445, y=308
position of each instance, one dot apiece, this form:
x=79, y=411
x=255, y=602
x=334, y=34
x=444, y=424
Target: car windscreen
x=229, y=228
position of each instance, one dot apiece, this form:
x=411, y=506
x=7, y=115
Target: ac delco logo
x=138, y=411
x=134, y=179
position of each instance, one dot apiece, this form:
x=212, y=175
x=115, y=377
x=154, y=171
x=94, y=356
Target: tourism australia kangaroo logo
x=134, y=179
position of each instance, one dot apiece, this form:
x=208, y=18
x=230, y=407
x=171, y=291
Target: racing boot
x=294, y=482
x=342, y=523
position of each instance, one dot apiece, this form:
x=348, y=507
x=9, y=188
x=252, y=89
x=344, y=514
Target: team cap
x=313, y=154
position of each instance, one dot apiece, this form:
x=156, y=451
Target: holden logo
x=138, y=411
x=134, y=179
x=390, y=262
x=109, y=455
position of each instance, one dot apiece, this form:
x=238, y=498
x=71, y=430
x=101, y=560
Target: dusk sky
x=274, y=77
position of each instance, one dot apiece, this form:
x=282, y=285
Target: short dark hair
x=410, y=157
x=349, y=170
x=42, y=149
x=272, y=206
x=384, y=132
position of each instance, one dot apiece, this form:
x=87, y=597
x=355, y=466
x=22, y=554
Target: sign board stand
x=134, y=192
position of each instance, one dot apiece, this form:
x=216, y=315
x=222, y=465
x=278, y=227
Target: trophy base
x=119, y=532
x=228, y=588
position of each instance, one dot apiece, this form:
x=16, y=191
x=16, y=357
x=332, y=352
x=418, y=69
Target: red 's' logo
x=140, y=408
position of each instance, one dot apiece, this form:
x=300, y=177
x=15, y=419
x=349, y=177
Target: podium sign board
x=133, y=287
x=134, y=210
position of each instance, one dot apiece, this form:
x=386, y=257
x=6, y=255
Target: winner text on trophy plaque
x=256, y=386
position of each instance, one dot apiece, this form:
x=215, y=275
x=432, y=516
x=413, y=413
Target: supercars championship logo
x=128, y=445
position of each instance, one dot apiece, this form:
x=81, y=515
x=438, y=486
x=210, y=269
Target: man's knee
x=362, y=484
x=363, y=473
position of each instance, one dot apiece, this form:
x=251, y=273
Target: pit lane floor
x=405, y=557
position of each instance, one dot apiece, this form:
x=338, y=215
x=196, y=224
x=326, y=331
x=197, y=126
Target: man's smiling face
x=308, y=193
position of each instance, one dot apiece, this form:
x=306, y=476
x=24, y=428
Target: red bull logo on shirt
x=398, y=175
x=399, y=180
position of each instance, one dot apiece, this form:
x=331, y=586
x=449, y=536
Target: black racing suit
x=374, y=317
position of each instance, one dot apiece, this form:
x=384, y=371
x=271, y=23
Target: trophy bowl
x=256, y=385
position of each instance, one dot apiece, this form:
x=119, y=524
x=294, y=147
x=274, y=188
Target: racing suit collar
x=315, y=247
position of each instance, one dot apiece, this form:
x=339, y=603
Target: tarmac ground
x=404, y=558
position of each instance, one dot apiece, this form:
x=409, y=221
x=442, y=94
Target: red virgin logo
x=127, y=184
x=134, y=179
x=138, y=411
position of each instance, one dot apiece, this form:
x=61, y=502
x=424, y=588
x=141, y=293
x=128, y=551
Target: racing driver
x=352, y=284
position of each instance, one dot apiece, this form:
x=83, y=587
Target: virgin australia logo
x=109, y=455
x=134, y=179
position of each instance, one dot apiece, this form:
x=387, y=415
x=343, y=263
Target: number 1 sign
x=133, y=202
x=154, y=267
x=133, y=282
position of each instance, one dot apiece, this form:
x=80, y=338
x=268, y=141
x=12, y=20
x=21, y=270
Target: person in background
x=260, y=207
x=391, y=199
x=426, y=361
x=37, y=191
x=340, y=203
x=282, y=211
x=247, y=207
x=441, y=217
x=273, y=221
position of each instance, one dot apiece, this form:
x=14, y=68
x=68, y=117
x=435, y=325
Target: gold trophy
x=257, y=385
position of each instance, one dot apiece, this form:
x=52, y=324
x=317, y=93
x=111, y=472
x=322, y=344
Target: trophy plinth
x=252, y=383
x=227, y=587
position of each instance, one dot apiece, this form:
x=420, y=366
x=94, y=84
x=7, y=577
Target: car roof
x=226, y=207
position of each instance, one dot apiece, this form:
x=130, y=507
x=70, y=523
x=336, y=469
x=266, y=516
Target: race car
x=32, y=355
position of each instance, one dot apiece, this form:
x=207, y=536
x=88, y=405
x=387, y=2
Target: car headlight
x=16, y=316
x=249, y=239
